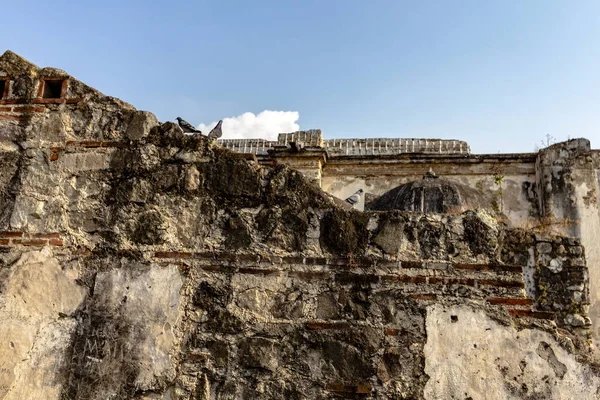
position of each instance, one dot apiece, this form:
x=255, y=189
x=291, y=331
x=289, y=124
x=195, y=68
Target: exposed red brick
x=257, y=271
x=487, y=267
x=314, y=326
x=30, y=242
x=391, y=331
x=4, y=242
x=88, y=143
x=11, y=234
x=5, y=109
x=510, y=301
x=412, y=264
x=55, y=242
x=95, y=144
x=423, y=296
x=451, y=281
x=363, y=388
x=214, y=268
x=531, y=314
x=54, y=157
x=48, y=101
x=14, y=101
x=172, y=254
x=499, y=283
x=405, y=278
x=315, y=260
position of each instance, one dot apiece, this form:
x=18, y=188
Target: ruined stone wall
x=568, y=187
x=137, y=262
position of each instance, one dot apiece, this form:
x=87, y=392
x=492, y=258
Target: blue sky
x=499, y=74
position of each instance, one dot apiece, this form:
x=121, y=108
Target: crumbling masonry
x=137, y=262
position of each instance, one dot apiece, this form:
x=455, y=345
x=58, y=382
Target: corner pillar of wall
x=309, y=162
x=567, y=189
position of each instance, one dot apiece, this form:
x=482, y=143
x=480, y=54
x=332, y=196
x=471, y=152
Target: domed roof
x=430, y=195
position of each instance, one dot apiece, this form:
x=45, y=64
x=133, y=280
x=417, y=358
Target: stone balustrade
x=349, y=147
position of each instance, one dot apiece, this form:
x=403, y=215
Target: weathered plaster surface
x=470, y=355
x=38, y=296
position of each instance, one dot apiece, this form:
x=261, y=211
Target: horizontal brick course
x=257, y=271
x=96, y=144
x=510, y=301
x=363, y=388
x=30, y=239
x=11, y=234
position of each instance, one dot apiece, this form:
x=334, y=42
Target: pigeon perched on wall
x=186, y=126
x=355, y=198
x=216, y=132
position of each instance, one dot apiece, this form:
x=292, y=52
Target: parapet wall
x=349, y=147
x=383, y=147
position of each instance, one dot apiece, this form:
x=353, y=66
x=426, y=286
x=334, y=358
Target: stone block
x=140, y=125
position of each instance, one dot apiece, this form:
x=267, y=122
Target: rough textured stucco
x=36, y=296
x=470, y=355
x=137, y=262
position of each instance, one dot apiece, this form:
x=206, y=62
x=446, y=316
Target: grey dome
x=430, y=195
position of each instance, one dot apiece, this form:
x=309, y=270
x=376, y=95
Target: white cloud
x=264, y=125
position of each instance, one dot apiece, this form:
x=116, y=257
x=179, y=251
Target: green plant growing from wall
x=498, y=204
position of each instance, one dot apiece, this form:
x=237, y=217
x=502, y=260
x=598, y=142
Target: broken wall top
x=47, y=104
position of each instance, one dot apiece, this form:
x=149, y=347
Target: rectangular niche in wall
x=3, y=88
x=52, y=88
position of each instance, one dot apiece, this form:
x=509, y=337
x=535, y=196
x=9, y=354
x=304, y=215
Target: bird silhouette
x=216, y=132
x=355, y=198
x=186, y=126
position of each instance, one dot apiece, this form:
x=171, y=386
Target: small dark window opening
x=3, y=87
x=52, y=89
x=454, y=318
